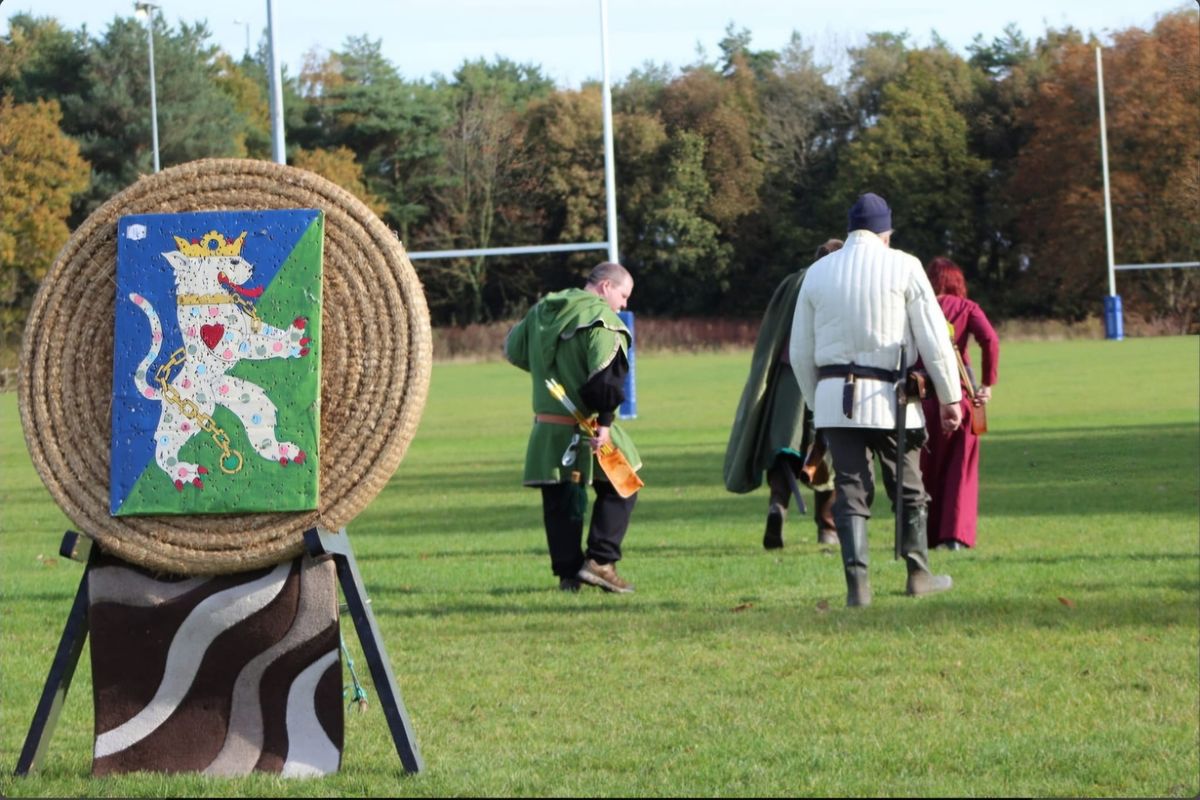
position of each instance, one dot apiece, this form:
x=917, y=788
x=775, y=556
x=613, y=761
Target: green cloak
x=770, y=414
x=569, y=336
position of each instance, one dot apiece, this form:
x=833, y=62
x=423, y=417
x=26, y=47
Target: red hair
x=946, y=277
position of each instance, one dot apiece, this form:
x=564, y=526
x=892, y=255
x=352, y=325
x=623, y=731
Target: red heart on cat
x=211, y=334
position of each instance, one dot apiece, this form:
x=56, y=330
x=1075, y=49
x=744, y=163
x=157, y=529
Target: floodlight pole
x=1114, y=329
x=147, y=10
x=628, y=409
x=247, y=26
x=610, y=178
x=277, y=145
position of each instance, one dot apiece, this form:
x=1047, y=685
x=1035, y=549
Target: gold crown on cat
x=211, y=244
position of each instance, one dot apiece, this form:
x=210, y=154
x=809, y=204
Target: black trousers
x=781, y=490
x=564, y=525
x=853, y=464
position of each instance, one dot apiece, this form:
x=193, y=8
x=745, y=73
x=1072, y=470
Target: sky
x=563, y=36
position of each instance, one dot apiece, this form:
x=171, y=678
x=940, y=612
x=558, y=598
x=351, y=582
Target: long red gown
x=950, y=464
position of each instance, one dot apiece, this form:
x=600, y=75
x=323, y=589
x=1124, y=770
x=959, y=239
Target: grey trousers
x=853, y=451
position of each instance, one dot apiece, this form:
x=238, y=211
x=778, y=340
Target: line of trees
x=729, y=171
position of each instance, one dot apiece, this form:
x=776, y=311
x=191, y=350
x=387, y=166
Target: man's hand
x=982, y=395
x=601, y=438
x=951, y=417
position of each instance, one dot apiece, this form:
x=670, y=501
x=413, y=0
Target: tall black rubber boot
x=852, y=535
x=915, y=549
x=777, y=511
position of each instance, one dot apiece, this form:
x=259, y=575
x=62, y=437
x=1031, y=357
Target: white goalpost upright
x=1114, y=324
x=628, y=409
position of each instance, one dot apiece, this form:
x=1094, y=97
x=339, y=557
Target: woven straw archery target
x=376, y=360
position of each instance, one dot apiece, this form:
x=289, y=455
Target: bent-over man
x=576, y=337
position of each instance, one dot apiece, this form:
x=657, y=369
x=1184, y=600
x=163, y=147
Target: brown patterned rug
x=225, y=675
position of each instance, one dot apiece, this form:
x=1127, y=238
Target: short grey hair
x=608, y=271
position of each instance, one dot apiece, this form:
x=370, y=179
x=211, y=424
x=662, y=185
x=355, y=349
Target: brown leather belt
x=555, y=419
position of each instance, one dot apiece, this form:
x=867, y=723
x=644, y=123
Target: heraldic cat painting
x=216, y=362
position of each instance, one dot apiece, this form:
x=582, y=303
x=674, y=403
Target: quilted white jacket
x=857, y=305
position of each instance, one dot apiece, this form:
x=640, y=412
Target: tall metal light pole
x=610, y=180
x=146, y=11
x=247, y=26
x=276, y=92
x=628, y=409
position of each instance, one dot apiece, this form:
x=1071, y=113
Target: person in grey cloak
x=772, y=430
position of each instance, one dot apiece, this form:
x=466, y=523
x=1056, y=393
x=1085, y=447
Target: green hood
x=560, y=314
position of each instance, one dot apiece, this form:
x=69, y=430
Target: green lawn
x=1065, y=662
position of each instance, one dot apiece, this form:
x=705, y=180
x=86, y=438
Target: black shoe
x=773, y=535
x=569, y=584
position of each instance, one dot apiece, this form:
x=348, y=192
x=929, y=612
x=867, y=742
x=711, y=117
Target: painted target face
x=216, y=363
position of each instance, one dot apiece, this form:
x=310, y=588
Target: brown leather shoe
x=605, y=576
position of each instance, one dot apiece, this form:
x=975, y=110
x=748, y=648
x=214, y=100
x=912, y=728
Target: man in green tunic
x=575, y=337
x=772, y=430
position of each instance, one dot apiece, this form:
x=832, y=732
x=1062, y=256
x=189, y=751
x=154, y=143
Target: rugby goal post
x=1114, y=324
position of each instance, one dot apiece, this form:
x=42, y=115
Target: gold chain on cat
x=190, y=410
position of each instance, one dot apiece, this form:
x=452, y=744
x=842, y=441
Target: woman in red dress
x=950, y=464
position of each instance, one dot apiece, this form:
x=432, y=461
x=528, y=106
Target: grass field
x=1065, y=662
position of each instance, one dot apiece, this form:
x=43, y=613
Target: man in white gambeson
x=858, y=308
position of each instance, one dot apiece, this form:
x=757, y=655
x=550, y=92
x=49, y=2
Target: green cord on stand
x=358, y=697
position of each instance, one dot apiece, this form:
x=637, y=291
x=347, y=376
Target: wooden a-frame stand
x=317, y=542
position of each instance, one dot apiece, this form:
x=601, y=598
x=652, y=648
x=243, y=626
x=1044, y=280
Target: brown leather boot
x=823, y=515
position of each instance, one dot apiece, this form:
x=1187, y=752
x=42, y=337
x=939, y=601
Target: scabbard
x=901, y=419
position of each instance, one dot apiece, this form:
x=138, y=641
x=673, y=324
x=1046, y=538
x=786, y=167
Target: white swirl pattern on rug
x=310, y=752
x=244, y=742
x=210, y=618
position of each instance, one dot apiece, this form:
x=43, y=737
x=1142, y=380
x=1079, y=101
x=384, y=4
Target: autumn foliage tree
x=40, y=170
x=338, y=166
x=1153, y=113
x=729, y=171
